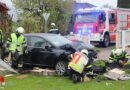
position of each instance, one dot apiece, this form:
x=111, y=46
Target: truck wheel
x=106, y=41
x=61, y=68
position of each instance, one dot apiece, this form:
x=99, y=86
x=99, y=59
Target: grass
x=61, y=83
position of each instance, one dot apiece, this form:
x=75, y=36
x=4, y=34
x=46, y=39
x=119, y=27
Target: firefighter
x=53, y=29
x=118, y=56
x=15, y=43
x=77, y=65
x=1, y=38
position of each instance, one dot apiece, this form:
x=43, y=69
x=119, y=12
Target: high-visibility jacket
x=1, y=36
x=123, y=57
x=16, y=43
x=53, y=30
x=78, y=62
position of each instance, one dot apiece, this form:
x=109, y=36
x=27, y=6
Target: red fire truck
x=99, y=24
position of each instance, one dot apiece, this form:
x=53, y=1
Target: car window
x=26, y=39
x=37, y=42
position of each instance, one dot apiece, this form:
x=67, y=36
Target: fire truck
x=100, y=24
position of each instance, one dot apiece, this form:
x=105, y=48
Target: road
x=105, y=52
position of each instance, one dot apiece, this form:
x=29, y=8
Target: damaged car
x=52, y=50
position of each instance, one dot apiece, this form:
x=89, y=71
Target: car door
x=39, y=54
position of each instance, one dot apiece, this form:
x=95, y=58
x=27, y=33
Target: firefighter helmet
x=53, y=24
x=118, y=52
x=84, y=51
x=20, y=30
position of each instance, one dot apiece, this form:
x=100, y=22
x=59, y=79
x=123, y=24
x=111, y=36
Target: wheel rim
x=6, y=61
x=106, y=40
x=60, y=68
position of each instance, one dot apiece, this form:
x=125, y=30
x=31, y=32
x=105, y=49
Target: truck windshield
x=86, y=18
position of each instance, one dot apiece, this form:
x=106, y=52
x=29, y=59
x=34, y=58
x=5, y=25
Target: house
x=3, y=8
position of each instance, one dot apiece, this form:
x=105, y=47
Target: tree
x=124, y=3
x=59, y=10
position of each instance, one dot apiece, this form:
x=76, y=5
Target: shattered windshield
x=86, y=18
x=58, y=40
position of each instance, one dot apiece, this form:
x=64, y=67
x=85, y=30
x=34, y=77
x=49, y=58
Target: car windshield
x=58, y=40
x=86, y=18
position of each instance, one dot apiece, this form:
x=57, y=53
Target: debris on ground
x=114, y=74
x=86, y=79
x=22, y=76
x=125, y=77
x=3, y=71
x=9, y=75
x=43, y=72
x=7, y=67
x=108, y=83
x=60, y=80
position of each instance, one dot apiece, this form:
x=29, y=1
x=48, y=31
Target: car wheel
x=61, y=68
x=106, y=40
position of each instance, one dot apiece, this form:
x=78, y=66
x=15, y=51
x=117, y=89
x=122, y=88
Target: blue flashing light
x=81, y=9
x=89, y=30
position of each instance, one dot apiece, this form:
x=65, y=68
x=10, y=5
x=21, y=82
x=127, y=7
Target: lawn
x=32, y=82
x=60, y=83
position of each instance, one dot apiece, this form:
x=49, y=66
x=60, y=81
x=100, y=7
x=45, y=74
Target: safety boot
x=20, y=70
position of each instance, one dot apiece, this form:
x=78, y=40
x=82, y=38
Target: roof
x=3, y=8
x=39, y=34
x=83, y=5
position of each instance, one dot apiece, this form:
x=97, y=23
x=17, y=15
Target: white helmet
x=20, y=30
x=71, y=33
x=118, y=52
x=53, y=24
x=84, y=51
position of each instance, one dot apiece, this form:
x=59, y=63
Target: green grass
x=61, y=83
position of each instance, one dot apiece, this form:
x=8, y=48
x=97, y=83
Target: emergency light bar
x=97, y=9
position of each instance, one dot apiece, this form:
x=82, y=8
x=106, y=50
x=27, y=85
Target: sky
x=112, y=3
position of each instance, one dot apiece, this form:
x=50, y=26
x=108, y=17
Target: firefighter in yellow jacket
x=53, y=29
x=77, y=65
x=118, y=56
x=15, y=43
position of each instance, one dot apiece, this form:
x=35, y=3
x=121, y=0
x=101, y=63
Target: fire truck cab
x=99, y=24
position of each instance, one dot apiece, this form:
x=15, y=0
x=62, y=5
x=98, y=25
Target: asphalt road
x=105, y=52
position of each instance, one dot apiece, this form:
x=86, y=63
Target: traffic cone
x=2, y=81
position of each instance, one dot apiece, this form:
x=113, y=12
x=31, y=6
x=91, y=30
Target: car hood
x=75, y=46
x=80, y=46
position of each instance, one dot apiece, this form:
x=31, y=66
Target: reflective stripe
x=53, y=29
x=20, y=65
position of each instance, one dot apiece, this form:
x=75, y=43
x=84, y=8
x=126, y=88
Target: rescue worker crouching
x=119, y=57
x=77, y=65
x=53, y=29
x=15, y=43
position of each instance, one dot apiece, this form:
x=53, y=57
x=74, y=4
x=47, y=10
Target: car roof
x=39, y=34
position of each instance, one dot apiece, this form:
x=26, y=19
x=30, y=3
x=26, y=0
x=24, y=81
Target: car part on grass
x=125, y=77
x=6, y=66
x=61, y=68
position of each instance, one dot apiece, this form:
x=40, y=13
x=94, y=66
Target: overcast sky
x=112, y=3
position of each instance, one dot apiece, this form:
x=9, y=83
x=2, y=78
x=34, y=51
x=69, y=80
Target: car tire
x=106, y=41
x=61, y=68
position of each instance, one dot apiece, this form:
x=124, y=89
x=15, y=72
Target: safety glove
x=26, y=52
